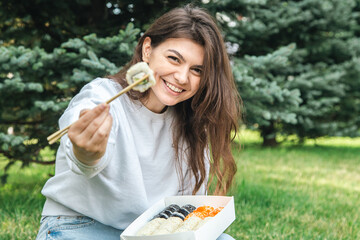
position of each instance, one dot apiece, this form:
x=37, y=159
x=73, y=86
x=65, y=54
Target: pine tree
x=320, y=72
x=36, y=87
x=48, y=51
x=48, y=23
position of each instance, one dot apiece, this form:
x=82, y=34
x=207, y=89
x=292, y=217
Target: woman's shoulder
x=95, y=92
x=92, y=94
x=98, y=90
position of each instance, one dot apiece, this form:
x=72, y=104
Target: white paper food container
x=211, y=230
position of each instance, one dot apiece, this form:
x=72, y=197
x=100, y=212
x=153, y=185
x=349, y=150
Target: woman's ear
x=146, y=49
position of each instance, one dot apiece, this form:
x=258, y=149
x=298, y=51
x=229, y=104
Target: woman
x=118, y=160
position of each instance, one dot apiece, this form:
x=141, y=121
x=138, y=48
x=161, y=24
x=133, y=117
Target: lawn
x=297, y=192
x=290, y=192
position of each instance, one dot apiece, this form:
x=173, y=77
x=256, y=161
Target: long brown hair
x=210, y=117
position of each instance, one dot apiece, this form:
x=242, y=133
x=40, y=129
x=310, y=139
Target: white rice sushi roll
x=202, y=222
x=189, y=225
x=168, y=226
x=150, y=227
x=136, y=72
x=157, y=221
x=175, y=220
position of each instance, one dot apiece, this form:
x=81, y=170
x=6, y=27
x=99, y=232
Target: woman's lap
x=69, y=227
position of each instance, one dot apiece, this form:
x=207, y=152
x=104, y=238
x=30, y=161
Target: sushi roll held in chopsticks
x=138, y=71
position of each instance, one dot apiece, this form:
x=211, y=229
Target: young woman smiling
x=173, y=139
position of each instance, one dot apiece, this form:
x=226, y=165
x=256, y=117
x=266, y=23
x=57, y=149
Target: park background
x=296, y=64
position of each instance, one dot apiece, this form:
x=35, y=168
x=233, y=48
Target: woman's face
x=177, y=64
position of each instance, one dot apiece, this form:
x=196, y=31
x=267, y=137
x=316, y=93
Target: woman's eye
x=174, y=58
x=197, y=70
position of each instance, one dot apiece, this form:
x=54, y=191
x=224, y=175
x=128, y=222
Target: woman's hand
x=89, y=135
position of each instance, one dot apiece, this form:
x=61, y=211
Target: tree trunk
x=270, y=142
x=268, y=134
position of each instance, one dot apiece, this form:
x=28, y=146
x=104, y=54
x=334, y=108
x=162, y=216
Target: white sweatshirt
x=137, y=170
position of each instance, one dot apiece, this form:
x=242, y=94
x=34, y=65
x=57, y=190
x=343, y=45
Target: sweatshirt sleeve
x=80, y=168
x=92, y=94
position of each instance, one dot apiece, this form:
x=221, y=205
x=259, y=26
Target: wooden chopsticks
x=57, y=135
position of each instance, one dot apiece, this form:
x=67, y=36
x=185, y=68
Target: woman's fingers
x=90, y=134
x=81, y=132
x=83, y=112
x=88, y=116
x=95, y=124
x=101, y=136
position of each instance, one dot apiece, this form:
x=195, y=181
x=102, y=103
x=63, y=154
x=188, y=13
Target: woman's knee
x=59, y=227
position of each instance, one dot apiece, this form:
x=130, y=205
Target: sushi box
x=211, y=230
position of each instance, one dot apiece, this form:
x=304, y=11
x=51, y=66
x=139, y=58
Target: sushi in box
x=183, y=218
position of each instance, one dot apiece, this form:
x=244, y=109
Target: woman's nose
x=182, y=76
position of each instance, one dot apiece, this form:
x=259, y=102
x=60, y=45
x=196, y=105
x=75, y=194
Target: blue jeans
x=73, y=228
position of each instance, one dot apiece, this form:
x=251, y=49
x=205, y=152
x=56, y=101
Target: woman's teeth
x=172, y=87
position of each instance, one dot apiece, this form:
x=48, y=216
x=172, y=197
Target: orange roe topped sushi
x=204, y=212
x=215, y=211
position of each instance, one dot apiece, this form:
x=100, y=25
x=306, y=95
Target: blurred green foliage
x=296, y=63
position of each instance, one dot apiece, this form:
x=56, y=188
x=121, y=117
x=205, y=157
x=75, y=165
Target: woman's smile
x=173, y=88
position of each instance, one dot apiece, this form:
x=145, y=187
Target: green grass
x=290, y=192
x=297, y=192
x=21, y=201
